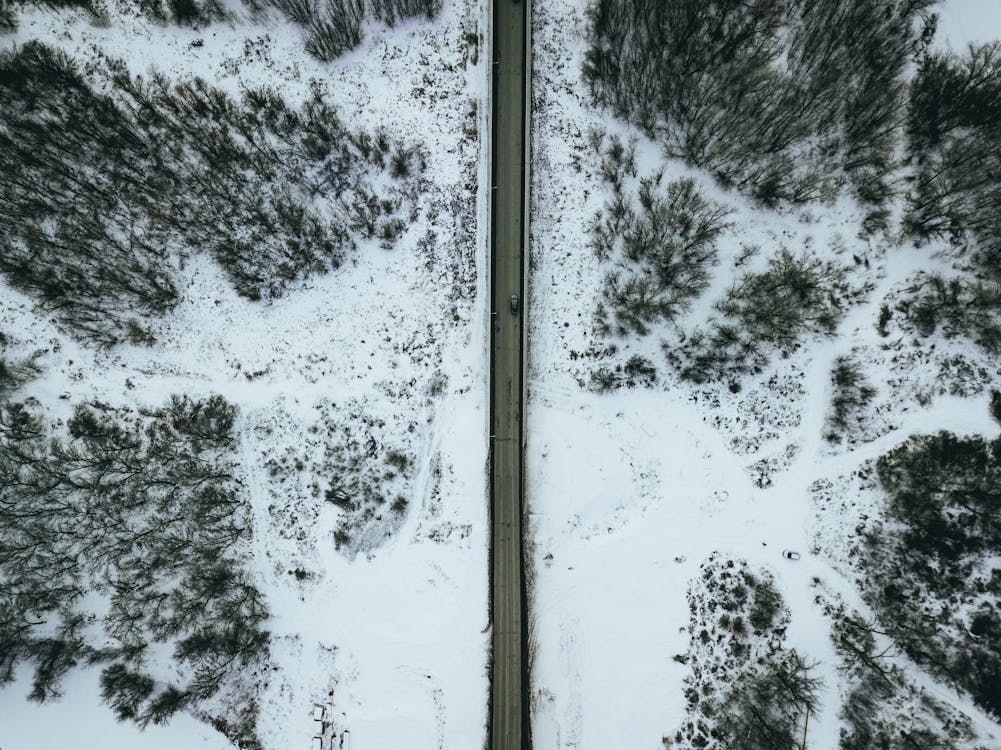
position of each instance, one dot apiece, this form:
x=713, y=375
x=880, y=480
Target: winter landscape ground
x=244, y=330
x=685, y=430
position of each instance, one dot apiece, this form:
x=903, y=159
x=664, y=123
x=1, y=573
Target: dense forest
x=142, y=508
x=104, y=195
x=930, y=561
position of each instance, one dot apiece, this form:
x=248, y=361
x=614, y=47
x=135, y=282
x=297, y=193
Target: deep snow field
x=387, y=642
x=631, y=492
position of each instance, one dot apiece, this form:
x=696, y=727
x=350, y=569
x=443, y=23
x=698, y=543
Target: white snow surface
x=964, y=22
x=392, y=644
x=630, y=492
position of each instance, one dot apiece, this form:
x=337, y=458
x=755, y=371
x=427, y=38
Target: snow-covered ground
x=963, y=22
x=392, y=643
x=630, y=492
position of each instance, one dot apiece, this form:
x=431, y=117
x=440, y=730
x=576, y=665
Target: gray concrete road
x=508, y=707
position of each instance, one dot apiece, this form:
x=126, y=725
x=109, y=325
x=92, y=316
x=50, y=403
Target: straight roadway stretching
x=509, y=230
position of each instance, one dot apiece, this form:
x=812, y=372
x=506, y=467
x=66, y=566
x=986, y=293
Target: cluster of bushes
x=350, y=460
x=125, y=532
x=957, y=306
x=851, y=393
x=764, y=314
x=929, y=564
x=335, y=26
x=661, y=243
x=370, y=481
x=746, y=691
x=782, y=100
x=636, y=371
x=103, y=195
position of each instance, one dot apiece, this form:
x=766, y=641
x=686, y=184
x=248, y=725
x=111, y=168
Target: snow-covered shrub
x=764, y=315
x=957, y=306
x=349, y=462
x=928, y=564
x=333, y=27
x=781, y=100
x=127, y=531
x=851, y=393
x=662, y=243
x=369, y=480
x=745, y=690
x=637, y=371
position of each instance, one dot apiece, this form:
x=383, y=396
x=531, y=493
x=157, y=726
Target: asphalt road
x=508, y=707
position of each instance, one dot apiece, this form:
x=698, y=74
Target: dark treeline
x=14, y=370
x=930, y=566
x=142, y=509
x=954, y=146
x=954, y=142
x=883, y=707
x=103, y=195
x=783, y=99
